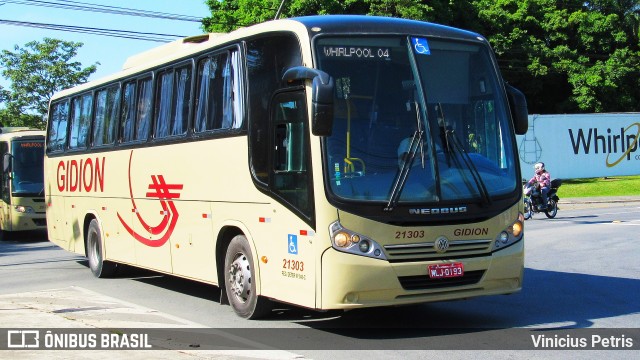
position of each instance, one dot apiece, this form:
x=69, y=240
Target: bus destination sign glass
x=357, y=52
x=31, y=144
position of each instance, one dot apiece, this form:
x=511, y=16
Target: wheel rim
x=240, y=277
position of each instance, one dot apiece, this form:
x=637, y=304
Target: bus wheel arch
x=94, y=249
x=225, y=236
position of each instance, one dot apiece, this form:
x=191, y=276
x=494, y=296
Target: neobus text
x=85, y=175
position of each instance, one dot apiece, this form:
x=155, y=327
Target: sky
x=110, y=52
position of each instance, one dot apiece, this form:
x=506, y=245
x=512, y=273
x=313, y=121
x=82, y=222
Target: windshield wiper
x=401, y=178
x=453, y=145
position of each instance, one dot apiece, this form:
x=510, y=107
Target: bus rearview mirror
x=6, y=162
x=519, y=112
x=322, y=88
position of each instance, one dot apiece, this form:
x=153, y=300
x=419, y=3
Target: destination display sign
x=357, y=52
x=33, y=144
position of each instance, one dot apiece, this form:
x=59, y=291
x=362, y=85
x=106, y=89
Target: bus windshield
x=28, y=168
x=416, y=119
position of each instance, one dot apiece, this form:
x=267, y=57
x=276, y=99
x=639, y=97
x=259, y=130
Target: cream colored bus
x=22, y=206
x=331, y=162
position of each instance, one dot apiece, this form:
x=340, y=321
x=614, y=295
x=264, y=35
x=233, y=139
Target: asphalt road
x=582, y=272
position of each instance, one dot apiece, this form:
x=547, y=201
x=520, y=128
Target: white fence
x=582, y=145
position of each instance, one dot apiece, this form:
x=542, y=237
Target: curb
x=598, y=200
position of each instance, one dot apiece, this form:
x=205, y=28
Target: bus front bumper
x=28, y=221
x=355, y=281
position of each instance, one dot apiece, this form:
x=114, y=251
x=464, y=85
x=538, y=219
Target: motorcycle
x=533, y=200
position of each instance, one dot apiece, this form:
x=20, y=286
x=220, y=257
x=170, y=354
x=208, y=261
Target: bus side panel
x=119, y=245
x=193, y=247
x=285, y=250
x=158, y=255
x=74, y=224
x=56, y=222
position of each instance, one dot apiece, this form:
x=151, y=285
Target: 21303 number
x=293, y=265
x=415, y=234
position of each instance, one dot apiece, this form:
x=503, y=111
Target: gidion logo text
x=86, y=175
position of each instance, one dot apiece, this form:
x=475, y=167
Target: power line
x=83, y=6
x=136, y=35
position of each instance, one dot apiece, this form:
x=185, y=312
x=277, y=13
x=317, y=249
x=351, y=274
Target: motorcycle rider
x=542, y=180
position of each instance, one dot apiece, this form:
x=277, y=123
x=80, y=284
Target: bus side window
x=182, y=100
x=128, y=114
x=173, y=96
x=144, y=110
x=106, y=119
x=81, y=110
x=218, y=97
x=57, y=136
x=164, y=96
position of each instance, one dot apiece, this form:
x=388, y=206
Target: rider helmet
x=539, y=167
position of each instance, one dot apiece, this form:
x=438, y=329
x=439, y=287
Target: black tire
x=240, y=287
x=528, y=211
x=552, y=209
x=99, y=267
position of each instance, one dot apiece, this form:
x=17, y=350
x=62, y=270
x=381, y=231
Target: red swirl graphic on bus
x=165, y=193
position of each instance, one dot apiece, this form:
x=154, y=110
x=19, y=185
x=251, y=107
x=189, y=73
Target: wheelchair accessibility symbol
x=421, y=46
x=293, y=244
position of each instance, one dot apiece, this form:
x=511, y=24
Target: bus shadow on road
x=28, y=236
x=549, y=300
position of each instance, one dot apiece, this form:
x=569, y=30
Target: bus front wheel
x=240, y=285
x=99, y=267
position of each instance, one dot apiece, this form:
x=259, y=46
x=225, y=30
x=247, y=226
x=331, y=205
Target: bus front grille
x=424, y=282
x=458, y=249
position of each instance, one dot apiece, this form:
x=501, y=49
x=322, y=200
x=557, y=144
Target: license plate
x=449, y=270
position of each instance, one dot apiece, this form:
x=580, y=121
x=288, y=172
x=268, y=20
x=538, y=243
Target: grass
x=608, y=186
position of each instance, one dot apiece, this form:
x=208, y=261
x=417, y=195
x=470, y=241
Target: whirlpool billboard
x=582, y=145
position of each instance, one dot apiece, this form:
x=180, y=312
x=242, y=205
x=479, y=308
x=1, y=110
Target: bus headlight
x=512, y=234
x=24, y=209
x=348, y=241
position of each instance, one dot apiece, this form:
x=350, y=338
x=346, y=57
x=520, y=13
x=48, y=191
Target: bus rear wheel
x=240, y=285
x=99, y=267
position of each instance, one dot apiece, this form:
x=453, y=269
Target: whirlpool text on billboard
x=582, y=145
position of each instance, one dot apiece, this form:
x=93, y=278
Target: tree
x=570, y=56
x=566, y=56
x=36, y=72
x=229, y=15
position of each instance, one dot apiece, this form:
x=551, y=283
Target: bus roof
x=361, y=24
x=7, y=133
x=312, y=25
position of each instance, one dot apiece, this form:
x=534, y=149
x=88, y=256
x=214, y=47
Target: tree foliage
x=36, y=72
x=566, y=56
